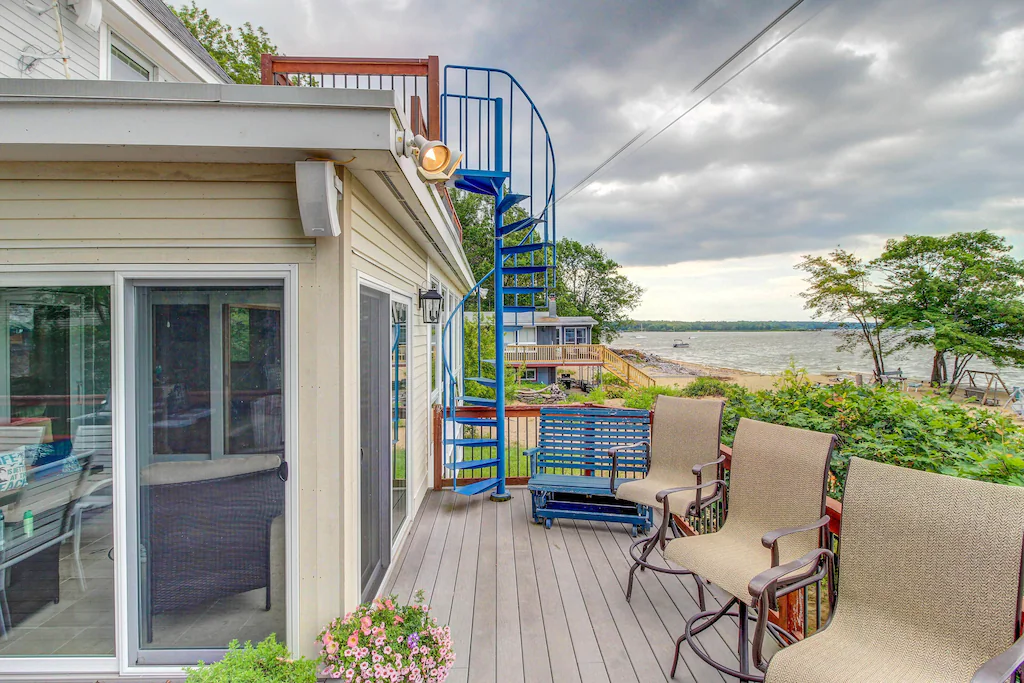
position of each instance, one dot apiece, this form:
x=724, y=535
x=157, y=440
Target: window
x=527, y=335
x=530, y=375
x=56, y=519
x=435, y=356
x=575, y=335
x=128, y=64
x=205, y=457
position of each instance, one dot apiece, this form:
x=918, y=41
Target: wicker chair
x=206, y=530
x=776, y=513
x=685, y=438
x=930, y=588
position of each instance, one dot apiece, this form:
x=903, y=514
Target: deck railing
x=799, y=613
x=554, y=353
x=624, y=370
x=417, y=82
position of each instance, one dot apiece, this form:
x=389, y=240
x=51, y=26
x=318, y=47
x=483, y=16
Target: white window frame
x=115, y=41
x=115, y=276
x=411, y=472
x=527, y=372
x=576, y=330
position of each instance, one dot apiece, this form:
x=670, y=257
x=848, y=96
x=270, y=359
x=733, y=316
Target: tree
x=959, y=294
x=237, y=52
x=589, y=283
x=841, y=290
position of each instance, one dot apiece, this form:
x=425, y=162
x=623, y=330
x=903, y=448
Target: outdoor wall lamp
x=435, y=161
x=430, y=304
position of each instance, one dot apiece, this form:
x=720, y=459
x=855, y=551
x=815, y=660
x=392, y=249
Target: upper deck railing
x=417, y=82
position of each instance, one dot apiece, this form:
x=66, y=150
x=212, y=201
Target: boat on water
x=679, y=344
x=640, y=336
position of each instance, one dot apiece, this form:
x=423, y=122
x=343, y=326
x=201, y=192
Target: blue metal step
x=474, y=421
x=524, y=290
x=489, y=361
x=518, y=225
x=522, y=309
x=525, y=248
x=473, y=443
x=524, y=270
x=476, y=400
x=486, y=381
x=472, y=464
x=481, y=182
x=477, y=487
x=510, y=200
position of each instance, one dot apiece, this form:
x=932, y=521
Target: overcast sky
x=876, y=119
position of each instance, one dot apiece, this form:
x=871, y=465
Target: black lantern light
x=430, y=303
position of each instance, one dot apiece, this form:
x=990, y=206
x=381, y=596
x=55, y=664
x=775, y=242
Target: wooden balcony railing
x=579, y=354
x=416, y=81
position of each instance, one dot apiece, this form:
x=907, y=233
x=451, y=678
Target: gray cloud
x=877, y=118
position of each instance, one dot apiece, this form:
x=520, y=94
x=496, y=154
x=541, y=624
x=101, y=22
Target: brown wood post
x=433, y=98
x=266, y=69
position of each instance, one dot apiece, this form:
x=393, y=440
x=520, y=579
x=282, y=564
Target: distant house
x=548, y=329
x=116, y=40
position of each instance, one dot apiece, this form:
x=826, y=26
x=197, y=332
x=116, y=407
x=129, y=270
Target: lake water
x=772, y=352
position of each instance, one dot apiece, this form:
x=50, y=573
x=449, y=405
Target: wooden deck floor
x=535, y=605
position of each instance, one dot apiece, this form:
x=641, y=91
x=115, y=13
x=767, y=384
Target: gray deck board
x=532, y=605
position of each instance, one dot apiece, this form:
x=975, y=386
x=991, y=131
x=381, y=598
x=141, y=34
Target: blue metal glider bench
x=572, y=465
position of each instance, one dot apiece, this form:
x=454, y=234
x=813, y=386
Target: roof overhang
x=56, y=120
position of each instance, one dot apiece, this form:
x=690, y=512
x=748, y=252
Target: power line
x=583, y=183
x=750, y=42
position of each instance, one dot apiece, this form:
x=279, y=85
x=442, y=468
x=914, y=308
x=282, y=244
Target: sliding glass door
x=384, y=390
x=206, y=470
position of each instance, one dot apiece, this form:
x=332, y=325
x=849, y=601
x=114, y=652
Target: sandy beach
x=670, y=372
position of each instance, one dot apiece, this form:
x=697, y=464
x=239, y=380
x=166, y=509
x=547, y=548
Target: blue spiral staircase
x=509, y=158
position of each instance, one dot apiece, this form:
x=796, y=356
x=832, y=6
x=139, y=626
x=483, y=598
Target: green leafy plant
x=267, y=662
x=598, y=396
x=382, y=640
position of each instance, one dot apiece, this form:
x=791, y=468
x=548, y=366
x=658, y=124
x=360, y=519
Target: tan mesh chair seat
x=778, y=479
x=929, y=578
x=644, y=491
x=685, y=433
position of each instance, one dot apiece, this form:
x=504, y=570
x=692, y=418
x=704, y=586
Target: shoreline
x=673, y=372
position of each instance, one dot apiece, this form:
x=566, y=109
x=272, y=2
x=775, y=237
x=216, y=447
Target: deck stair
x=487, y=115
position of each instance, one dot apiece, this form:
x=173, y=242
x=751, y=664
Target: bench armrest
x=531, y=455
x=613, y=452
x=771, y=539
x=663, y=496
x=1003, y=666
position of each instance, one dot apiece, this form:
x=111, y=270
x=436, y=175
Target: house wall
x=105, y=213
x=21, y=27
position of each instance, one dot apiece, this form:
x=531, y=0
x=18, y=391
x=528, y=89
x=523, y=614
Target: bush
x=705, y=386
x=597, y=396
x=384, y=640
x=267, y=662
x=644, y=398
x=933, y=434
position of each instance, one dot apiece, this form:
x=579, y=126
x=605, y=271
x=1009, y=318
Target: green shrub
x=644, y=398
x=705, y=386
x=267, y=662
x=597, y=396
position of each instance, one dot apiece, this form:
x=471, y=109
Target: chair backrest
x=777, y=480
x=94, y=446
x=936, y=559
x=576, y=439
x=12, y=437
x=686, y=432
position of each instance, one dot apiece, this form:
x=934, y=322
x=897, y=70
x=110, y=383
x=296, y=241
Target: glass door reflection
x=399, y=414
x=207, y=467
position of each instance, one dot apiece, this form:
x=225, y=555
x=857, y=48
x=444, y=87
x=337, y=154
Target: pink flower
x=366, y=623
x=399, y=620
x=353, y=640
x=331, y=647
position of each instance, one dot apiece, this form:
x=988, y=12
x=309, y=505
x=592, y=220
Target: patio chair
x=685, y=439
x=206, y=530
x=929, y=589
x=776, y=514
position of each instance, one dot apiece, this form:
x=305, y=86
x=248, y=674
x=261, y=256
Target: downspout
x=60, y=40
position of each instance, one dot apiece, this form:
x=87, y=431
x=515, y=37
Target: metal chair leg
x=648, y=549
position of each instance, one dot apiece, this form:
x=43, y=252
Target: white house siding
x=384, y=251
x=125, y=213
x=21, y=27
